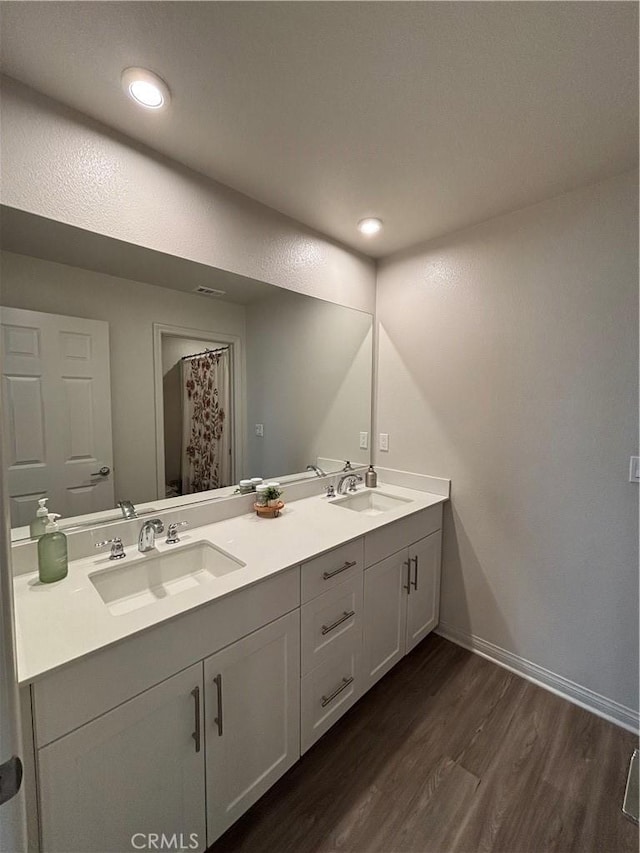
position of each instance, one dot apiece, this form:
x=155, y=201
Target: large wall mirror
x=132, y=375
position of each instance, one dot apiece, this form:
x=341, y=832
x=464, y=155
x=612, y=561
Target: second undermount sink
x=156, y=576
x=370, y=502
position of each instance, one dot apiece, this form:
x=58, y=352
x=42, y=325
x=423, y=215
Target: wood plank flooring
x=450, y=753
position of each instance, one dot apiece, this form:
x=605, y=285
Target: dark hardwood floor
x=449, y=753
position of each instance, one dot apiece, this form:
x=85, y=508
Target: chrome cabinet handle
x=218, y=720
x=103, y=472
x=347, y=614
x=407, y=563
x=327, y=699
x=347, y=565
x=196, y=734
x=415, y=563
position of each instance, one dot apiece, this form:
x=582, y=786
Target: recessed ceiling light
x=145, y=88
x=369, y=226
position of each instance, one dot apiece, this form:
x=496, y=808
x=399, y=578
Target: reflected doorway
x=196, y=410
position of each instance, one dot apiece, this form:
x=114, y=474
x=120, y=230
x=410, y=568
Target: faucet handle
x=172, y=531
x=331, y=491
x=353, y=479
x=117, y=549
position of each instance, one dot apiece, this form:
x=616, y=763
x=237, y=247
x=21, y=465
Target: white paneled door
x=56, y=411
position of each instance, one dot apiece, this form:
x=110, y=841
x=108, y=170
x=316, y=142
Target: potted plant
x=272, y=495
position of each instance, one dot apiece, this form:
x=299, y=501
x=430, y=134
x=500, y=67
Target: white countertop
x=61, y=622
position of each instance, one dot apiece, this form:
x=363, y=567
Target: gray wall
x=131, y=308
x=508, y=361
x=308, y=383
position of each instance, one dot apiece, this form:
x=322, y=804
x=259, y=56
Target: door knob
x=103, y=472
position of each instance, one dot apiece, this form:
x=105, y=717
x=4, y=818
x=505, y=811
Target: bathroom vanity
x=170, y=690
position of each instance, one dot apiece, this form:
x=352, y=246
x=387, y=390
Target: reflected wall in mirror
x=107, y=397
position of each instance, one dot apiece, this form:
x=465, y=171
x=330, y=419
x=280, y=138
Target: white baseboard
x=610, y=710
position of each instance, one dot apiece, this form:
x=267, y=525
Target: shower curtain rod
x=204, y=352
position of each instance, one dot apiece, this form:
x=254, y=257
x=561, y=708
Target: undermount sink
x=370, y=502
x=131, y=586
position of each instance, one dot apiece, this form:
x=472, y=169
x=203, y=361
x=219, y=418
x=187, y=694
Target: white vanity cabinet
x=252, y=719
x=401, y=590
x=136, y=769
x=180, y=728
x=118, y=756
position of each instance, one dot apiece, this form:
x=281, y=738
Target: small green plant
x=272, y=493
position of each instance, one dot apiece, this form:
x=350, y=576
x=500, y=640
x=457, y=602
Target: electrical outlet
x=634, y=469
x=260, y=429
x=384, y=441
x=364, y=440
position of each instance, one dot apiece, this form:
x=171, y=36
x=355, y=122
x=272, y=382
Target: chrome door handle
x=415, y=563
x=407, y=563
x=347, y=614
x=218, y=720
x=349, y=564
x=327, y=699
x=103, y=472
x=196, y=733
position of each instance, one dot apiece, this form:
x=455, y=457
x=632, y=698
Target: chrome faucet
x=128, y=509
x=317, y=469
x=147, y=537
x=350, y=480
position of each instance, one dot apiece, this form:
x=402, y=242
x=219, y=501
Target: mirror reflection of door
x=56, y=413
x=197, y=415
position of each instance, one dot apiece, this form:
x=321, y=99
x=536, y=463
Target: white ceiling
x=432, y=116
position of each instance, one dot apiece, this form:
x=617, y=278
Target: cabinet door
x=385, y=609
x=133, y=770
x=252, y=699
x=423, y=602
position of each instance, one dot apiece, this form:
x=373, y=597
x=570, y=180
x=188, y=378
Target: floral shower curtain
x=206, y=459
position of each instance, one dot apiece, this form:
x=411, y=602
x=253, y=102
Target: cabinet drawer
x=331, y=622
x=331, y=569
x=385, y=541
x=327, y=692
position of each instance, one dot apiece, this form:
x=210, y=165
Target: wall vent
x=210, y=291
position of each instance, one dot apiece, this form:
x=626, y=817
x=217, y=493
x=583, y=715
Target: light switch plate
x=260, y=429
x=384, y=441
x=634, y=469
x=364, y=440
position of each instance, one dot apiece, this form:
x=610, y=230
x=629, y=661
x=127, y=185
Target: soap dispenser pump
x=39, y=523
x=53, y=563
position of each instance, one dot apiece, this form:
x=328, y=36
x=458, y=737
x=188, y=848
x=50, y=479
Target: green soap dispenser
x=39, y=523
x=53, y=563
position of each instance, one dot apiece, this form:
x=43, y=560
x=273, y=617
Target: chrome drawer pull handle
x=415, y=582
x=346, y=615
x=345, y=683
x=407, y=563
x=196, y=734
x=344, y=568
x=218, y=720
